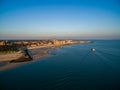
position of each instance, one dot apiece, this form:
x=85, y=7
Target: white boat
x=92, y=49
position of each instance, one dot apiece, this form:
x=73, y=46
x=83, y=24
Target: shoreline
x=15, y=59
x=37, y=52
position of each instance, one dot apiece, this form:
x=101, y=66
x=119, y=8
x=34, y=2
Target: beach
x=32, y=53
x=37, y=53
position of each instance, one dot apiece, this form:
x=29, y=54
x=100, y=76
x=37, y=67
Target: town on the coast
x=34, y=43
x=19, y=51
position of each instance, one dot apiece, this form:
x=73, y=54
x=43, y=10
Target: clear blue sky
x=65, y=19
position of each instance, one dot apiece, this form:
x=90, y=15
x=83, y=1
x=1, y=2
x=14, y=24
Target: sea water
x=73, y=67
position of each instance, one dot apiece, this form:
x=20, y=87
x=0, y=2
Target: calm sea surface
x=72, y=67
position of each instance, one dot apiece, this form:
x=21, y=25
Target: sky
x=62, y=19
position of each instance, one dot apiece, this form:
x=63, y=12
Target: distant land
x=17, y=52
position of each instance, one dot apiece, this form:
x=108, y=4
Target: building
x=2, y=43
x=59, y=42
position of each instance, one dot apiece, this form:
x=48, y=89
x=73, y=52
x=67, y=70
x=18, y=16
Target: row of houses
x=36, y=43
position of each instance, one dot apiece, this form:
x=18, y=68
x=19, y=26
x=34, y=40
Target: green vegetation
x=9, y=49
x=6, y=52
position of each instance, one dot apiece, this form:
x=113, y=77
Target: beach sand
x=37, y=52
x=10, y=56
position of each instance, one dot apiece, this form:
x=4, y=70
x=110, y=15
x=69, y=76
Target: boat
x=92, y=49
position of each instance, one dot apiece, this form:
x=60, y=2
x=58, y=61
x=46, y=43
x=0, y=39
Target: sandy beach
x=37, y=52
x=9, y=57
